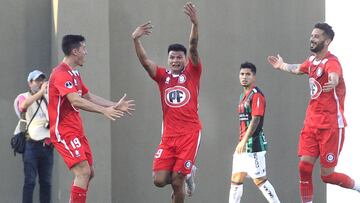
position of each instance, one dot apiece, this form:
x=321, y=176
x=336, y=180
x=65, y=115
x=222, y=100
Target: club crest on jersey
x=167, y=80
x=330, y=157
x=187, y=164
x=319, y=71
x=315, y=88
x=182, y=79
x=177, y=96
x=68, y=84
x=75, y=82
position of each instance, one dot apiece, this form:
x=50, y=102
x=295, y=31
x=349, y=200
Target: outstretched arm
x=190, y=10
x=278, y=63
x=144, y=29
x=122, y=105
x=78, y=102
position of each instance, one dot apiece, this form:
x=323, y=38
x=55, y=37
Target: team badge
x=330, y=157
x=187, y=164
x=68, y=84
x=177, y=96
x=315, y=88
x=75, y=82
x=167, y=80
x=319, y=71
x=182, y=79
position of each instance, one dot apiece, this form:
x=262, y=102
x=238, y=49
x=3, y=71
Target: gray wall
x=24, y=45
x=230, y=33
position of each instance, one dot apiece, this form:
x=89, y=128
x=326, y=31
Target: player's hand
x=241, y=147
x=333, y=81
x=125, y=105
x=144, y=29
x=190, y=10
x=112, y=113
x=276, y=61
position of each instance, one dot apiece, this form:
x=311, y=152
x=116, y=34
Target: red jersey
x=325, y=109
x=179, y=99
x=64, y=118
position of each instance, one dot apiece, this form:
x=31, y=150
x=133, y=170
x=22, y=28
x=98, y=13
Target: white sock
x=356, y=186
x=235, y=193
x=269, y=192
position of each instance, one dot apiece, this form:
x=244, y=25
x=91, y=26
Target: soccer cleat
x=190, y=182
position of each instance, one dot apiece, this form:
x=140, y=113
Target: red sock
x=78, y=195
x=339, y=179
x=306, y=186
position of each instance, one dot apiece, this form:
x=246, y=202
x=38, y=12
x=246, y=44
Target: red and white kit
x=323, y=132
x=181, y=124
x=67, y=132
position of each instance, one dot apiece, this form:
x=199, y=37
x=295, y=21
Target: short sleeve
x=85, y=89
x=258, y=105
x=64, y=84
x=160, y=72
x=333, y=66
x=195, y=69
x=20, y=99
x=304, y=67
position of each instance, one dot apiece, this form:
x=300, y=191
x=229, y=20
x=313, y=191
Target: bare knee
x=238, y=178
x=161, y=178
x=82, y=170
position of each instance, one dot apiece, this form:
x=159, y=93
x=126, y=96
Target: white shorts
x=251, y=163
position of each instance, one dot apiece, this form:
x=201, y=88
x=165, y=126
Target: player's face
x=80, y=54
x=176, y=61
x=246, y=77
x=318, y=40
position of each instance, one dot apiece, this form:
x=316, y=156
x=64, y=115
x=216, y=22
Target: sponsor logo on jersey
x=315, y=88
x=68, y=84
x=182, y=79
x=330, y=157
x=177, y=96
x=187, y=164
x=243, y=116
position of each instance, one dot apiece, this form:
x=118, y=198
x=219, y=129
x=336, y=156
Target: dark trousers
x=38, y=159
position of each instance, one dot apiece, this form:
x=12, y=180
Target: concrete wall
x=230, y=32
x=24, y=45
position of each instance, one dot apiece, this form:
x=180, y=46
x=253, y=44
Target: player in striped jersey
x=249, y=155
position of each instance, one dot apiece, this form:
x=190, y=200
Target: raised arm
x=278, y=63
x=190, y=10
x=149, y=65
x=32, y=98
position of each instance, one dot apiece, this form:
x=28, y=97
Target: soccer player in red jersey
x=324, y=126
x=249, y=155
x=67, y=95
x=179, y=87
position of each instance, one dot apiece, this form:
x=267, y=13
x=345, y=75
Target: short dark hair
x=329, y=32
x=177, y=47
x=250, y=66
x=70, y=42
